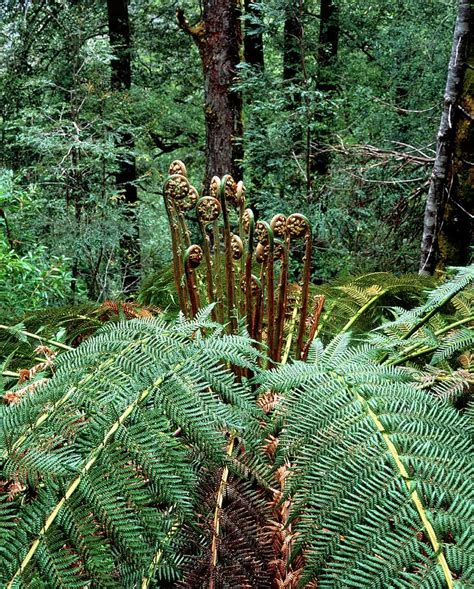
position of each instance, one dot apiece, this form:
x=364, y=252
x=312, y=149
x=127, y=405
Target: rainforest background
x=337, y=111
x=306, y=420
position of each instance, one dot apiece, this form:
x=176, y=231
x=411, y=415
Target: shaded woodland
x=236, y=294
x=328, y=108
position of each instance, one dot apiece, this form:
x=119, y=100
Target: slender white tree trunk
x=440, y=178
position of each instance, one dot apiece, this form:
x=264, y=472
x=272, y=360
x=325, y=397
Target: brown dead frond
x=269, y=401
x=15, y=396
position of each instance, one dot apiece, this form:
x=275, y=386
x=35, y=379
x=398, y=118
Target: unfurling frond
x=159, y=454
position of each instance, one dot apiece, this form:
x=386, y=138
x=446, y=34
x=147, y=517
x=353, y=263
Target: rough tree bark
x=126, y=175
x=452, y=127
x=253, y=40
x=219, y=39
x=292, y=41
x=455, y=233
x=328, y=42
x=327, y=55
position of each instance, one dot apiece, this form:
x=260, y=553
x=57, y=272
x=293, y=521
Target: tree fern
x=161, y=454
x=111, y=448
x=381, y=473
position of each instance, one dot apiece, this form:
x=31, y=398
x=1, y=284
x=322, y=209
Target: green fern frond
x=463, y=302
x=361, y=302
x=158, y=289
x=111, y=448
x=139, y=463
x=437, y=298
x=414, y=333
x=360, y=295
x=452, y=386
x=68, y=324
x=381, y=474
x=461, y=339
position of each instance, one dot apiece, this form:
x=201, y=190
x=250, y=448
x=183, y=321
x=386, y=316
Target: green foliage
x=30, y=278
x=158, y=289
x=31, y=281
x=99, y=443
x=364, y=211
x=360, y=303
x=146, y=456
x=61, y=118
x=380, y=473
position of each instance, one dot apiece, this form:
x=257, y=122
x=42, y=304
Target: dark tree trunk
x=126, y=175
x=328, y=41
x=327, y=55
x=254, y=56
x=219, y=40
x=294, y=72
x=119, y=35
x=253, y=40
x=445, y=175
x=293, y=41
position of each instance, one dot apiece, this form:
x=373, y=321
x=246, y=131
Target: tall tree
x=449, y=177
x=292, y=41
x=253, y=39
x=75, y=187
x=327, y=54
x=455, y=233
x=218, y=37
x=126, y=175
x=328, y=41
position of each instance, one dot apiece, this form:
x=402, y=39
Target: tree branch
x=371, y=151
x=197, y=32
x=167, y=146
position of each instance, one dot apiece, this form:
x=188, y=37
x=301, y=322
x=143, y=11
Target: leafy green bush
x=31, y=281
x=30, y=277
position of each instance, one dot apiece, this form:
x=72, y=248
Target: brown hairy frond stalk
x=318, y=306
x=232, y=548
x=280, y=532
x=231, y=244
x=129, y=310
x=243, y=554
x=15, y=396
x=27, y=374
